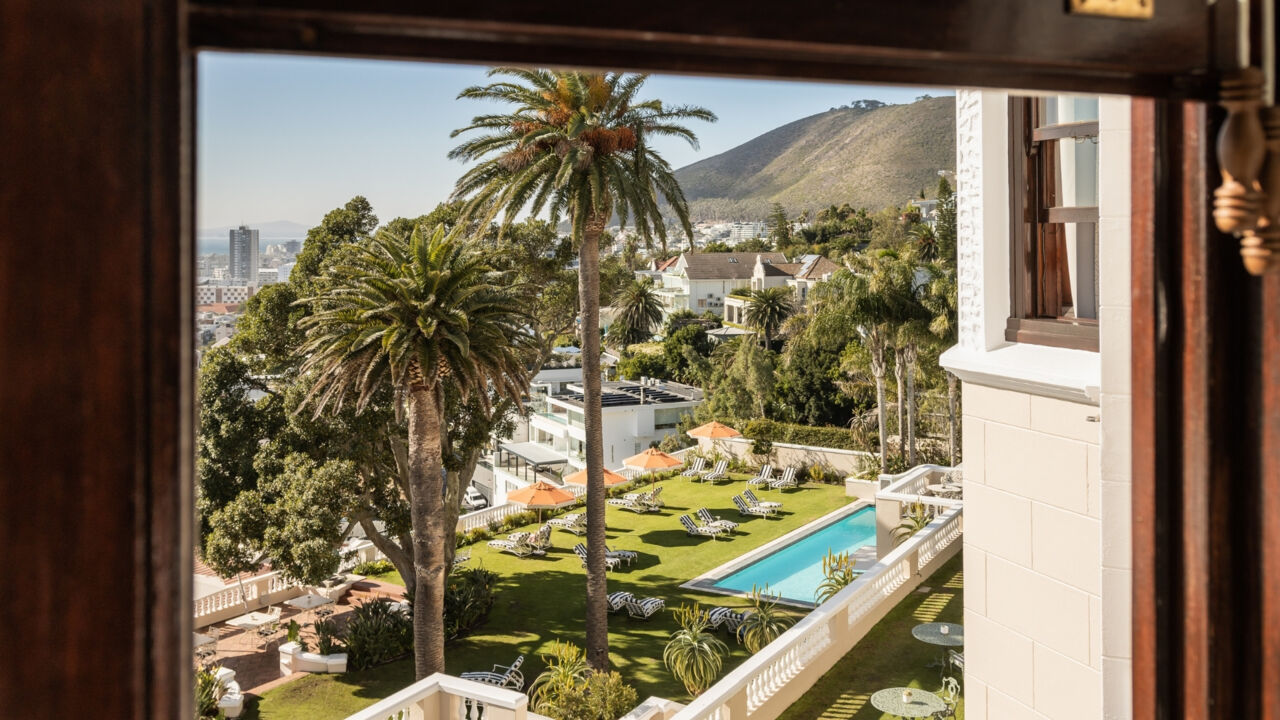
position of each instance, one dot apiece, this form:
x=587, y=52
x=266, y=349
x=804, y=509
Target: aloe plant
x=694, y=654
x=916, y=519
x=765, y=623
x=838, y=572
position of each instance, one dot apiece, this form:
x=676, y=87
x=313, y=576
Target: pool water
x=794, y=571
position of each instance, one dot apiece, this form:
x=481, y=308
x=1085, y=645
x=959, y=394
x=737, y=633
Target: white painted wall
x=1046, y=455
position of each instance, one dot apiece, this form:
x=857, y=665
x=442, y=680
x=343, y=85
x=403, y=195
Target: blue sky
x=287, y=138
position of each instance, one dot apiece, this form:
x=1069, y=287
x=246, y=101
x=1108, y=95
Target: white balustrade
x=769, y=681
x=444, y=697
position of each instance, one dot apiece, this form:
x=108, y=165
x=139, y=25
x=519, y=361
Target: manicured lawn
x=889, y=656
x=542, y=599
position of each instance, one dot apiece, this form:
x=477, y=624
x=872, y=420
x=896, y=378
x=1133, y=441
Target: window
x=1054, y=223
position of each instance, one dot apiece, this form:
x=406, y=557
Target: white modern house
x=1043, y=355
x=701, y=281
x=633, y=415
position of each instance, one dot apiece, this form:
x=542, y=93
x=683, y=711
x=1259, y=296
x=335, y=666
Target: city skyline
x=288, y=139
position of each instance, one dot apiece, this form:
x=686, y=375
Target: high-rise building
x=244, y=255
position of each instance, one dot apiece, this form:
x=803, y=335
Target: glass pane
x=1075, y=173
x=1059, y=109
x=1082, y=269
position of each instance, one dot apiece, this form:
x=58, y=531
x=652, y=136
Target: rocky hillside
x=867, y=157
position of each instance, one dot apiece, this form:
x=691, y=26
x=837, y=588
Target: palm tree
x=941, y=299
x=418, y=312
x=926, y=243
x=638, y=313
x=767, y=309
x=576, y=145
x=860, y=296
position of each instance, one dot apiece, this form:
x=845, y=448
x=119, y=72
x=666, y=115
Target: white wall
x=1046, y=455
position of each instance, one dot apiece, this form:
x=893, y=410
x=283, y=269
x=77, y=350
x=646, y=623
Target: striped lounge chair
x=644, y=608
x=745, y=509
x=788, y=480
x=753, y=500
x=763, y=477
x=706, y=518
x=696, y=469
x=609, y=563
x=717, y=472
x=695, y=529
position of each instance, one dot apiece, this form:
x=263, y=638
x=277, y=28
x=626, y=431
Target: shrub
x=377, y=633
x=468, y=599
x=328, y=638
x=373, y=567
x=294, y=635
x=821, y=473
x=569, y=690
x=694, y=654
x=208, y=692
x=914, y=521
x=776, y=432
x=765, y=623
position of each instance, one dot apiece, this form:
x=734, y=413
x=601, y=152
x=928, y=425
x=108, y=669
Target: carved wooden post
x=1237, y=203
x=1260, y=248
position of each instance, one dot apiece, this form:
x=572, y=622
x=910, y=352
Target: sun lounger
x=501, y=675
x=695, y=529
x=745, y=509
x=696, y=469
x=541, y=540
x=618, y=600
x=461, y=558
x=627, y=556
x=727, y=618
x=706, y=518
x=763, y=477
x=575, y=523
x=609, y=563
x=636, y=505
x=717, y=473
x=644, y=608
x=655, y=498
x=753, y=500
x=517, y=544
x=788, y=480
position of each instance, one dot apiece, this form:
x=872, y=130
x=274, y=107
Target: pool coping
x=706, y=581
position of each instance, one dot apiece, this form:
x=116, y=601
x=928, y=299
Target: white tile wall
x=1047, y=499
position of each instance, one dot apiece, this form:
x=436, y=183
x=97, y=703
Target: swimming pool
x=793, y=571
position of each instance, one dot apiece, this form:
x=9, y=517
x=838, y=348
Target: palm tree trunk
x=426, y=512
x=597, y=588
x=909, y=358
x=951, y=416
x=899, y=370
x=878, y=371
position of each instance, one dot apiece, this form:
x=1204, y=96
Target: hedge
x=780, y=432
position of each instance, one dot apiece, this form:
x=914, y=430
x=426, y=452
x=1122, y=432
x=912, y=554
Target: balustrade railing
x=444, y=697
x=767, y=683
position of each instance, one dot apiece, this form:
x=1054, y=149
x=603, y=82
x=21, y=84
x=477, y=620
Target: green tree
x=779, y=225
x=941, y=299
x=926, y=243
x=744, y=387
x=578, y=144
x=637, y=313
x=420, y=313
x=767, y=309
x=682, y=349
x=348, y=224
x=946, y=225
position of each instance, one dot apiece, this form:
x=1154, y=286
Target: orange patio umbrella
x=651, y=461
x=714, y=430
x=611, y=478
x=541, y=496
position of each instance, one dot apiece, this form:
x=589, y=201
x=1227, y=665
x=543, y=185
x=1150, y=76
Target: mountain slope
x=869, y=158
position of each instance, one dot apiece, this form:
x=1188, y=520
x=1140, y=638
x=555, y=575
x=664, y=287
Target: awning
x=536, y=454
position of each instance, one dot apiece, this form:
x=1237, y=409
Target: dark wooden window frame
x=95, y=327
x=1030, y=222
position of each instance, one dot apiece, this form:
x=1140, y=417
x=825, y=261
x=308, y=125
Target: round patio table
x=932, y=634
x=923, y=703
